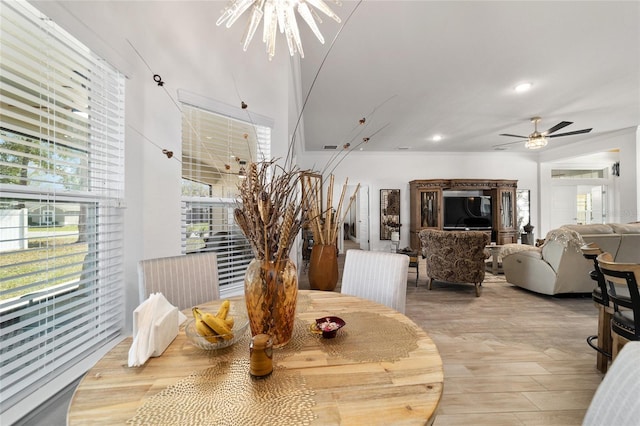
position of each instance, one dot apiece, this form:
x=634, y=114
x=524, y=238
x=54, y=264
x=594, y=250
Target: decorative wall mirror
x=389, y=214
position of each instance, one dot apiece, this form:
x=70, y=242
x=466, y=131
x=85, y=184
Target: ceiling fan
x=537, y=140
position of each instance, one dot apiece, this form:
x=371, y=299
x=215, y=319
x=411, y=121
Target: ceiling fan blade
x=508, y=143
x=576, y=132
x=558, y=126
x=513, y=136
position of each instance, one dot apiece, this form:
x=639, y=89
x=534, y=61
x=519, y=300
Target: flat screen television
x=467, y=212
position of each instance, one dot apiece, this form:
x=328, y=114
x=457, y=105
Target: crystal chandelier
x=277, y=14
x=536, y=142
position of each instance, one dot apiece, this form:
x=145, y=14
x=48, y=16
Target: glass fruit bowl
x=241, y=323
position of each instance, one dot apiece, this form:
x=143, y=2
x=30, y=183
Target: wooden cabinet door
x=506, y=216
x=430, y=209
x=426, y=211
x=506, y=209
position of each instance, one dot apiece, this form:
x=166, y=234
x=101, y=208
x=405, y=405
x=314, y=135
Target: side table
x=414, y=261
x=495, y=252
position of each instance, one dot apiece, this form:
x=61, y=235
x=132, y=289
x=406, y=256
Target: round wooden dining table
x=380, y=369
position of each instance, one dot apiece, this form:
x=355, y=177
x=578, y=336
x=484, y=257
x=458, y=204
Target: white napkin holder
x=164, y=330
x=155, y=326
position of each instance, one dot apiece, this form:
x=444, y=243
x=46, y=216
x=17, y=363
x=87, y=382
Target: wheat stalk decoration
x=325, y=224
x=270, y=212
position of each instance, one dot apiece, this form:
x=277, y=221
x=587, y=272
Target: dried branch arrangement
x=270, y=213
x=325, y=224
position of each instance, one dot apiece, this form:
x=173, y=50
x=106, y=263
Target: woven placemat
x=360, y=339
x=304, y=302
x=226, y=394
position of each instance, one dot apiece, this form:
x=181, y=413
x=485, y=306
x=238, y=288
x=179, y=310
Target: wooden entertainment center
x=428, y=207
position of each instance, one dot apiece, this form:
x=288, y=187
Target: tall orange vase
x=323, y=267
x=271, y=295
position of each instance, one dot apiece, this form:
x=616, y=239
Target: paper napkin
x=155, y=325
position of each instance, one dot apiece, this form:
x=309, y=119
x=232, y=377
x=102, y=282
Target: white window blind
x=215, y=152
x=61, y=187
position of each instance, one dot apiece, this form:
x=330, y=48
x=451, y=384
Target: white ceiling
x=414, y=69
x=418, y=68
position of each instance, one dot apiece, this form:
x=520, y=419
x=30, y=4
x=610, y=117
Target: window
x=578, y=174
x=61, y=184
x=215, y=150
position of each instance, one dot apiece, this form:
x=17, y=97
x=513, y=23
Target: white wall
x=623, y=190
x=531, y=170
x=395, y=171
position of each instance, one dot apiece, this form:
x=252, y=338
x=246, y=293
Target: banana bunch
x=216, y=327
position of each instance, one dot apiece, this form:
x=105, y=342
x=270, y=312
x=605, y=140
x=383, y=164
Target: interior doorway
x=362, y=201
x=578, y=204
x=357, y=220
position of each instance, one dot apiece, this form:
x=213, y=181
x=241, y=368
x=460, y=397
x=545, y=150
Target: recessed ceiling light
x=436, y=138
x=522, y=87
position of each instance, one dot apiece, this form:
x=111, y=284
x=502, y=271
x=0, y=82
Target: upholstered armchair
x=455, y=256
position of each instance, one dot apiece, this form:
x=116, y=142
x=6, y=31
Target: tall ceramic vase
x=323, y=267
x=271, y=294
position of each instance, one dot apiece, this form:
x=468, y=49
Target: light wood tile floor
x=511, y=357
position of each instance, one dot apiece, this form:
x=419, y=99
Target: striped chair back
x=377, y=276
x=185, y=281
x=616, y=400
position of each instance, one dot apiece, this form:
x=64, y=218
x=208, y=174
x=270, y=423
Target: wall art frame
x=389, y=213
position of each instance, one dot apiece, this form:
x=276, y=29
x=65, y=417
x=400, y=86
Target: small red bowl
x=329, y=326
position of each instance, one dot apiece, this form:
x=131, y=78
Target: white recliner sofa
x=558, y=266
x=622, y=240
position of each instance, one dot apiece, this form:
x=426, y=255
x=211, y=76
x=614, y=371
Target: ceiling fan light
x=536, y=143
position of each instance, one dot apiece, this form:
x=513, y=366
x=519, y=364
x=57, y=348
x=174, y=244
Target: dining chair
x=377, y=276
x=625, y=321
x=601, y=342
x=185, y=281
x=616, y=401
